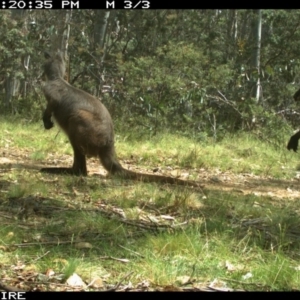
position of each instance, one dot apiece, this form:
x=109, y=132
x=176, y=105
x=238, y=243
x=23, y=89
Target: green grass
x=159, y=234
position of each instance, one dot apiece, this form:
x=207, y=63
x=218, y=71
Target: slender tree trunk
x=232, y=31
x=100, y=32
x=101, y=27
x=257, y=56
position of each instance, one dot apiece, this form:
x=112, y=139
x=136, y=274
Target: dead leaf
x=75, y=281
x=50, y=272
x=182, y=280
x=185, y=175
x=4, y=160
x=247, y=276
x=76, y=193
x=83, y=245
x=175, y=173
x=216, y=283
x=166, y=217
x=96, y=283
x=144, y=284
x=153, y=219
x=120, y=212
x=18, y=267
x=10, y=234
x=61, y=260
x=49, y=180
x=37, y=236
x=123, y=260
x=42, y=277
x=129, y=286
x=58, y=222
x=257, y=194
x=230, y=267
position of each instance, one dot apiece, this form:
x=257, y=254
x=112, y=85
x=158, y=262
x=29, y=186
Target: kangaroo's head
x=54, y=66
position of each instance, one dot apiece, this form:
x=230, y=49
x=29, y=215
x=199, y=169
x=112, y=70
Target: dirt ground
x=244, y=183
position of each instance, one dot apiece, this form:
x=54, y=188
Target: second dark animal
x=294, y=139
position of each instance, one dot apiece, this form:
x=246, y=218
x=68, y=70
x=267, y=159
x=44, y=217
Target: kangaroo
x=88, y=125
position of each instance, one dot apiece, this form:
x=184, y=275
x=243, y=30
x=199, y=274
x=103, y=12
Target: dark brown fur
x=294, y=139
x=293, y=142
x=297, y=96
x=87, y=123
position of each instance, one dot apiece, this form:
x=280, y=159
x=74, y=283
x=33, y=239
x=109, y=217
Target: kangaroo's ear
x=60, y=56
x=47, y=55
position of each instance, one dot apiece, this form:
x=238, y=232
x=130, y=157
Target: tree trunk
x=101, y=27
x=257, y=56
x=100, y=30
